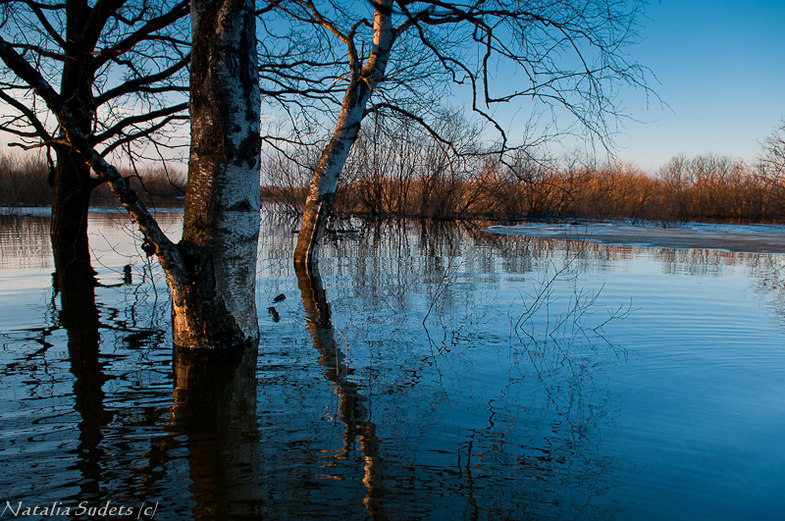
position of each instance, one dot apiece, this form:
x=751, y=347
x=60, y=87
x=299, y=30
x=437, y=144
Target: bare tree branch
x=166, y=250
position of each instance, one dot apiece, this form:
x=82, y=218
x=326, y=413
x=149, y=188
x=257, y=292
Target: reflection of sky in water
x=472, y=383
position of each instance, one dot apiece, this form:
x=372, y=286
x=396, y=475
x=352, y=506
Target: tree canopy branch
x=167, y=251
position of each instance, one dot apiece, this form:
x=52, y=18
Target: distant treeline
x=24, y=181
x=702, y=188
x=409, y=176
x=405, y=174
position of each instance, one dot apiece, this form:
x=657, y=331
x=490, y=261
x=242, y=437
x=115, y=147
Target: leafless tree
x=771, y=166
x=774, y=150
x=396, y=168
x=403, y=57
x=120, y=69
x=211, y=271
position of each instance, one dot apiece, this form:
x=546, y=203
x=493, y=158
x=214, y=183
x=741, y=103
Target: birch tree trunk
x=216, y=304
x=362, y=81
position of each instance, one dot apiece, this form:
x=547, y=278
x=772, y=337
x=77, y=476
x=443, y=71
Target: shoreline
x=741, y=237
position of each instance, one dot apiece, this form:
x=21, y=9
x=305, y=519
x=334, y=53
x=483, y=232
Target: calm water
x=431, y=373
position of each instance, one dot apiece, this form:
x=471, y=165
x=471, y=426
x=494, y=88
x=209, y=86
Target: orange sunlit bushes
x=425, y=186
x=702, y=188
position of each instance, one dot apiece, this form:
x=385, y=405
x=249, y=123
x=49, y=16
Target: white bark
x=319, y=202
x=221, y=227
x=211, y=272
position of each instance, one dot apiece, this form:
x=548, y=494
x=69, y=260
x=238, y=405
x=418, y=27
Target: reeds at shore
x=24, y=181
x=703, y=188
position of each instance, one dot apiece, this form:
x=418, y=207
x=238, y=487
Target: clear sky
x=720, y=67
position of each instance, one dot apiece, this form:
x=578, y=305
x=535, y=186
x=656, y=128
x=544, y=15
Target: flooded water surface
x=429, y=372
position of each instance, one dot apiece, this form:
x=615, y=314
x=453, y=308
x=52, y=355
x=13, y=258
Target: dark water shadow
x=90, y=329
x=75, y=284
x=214, y=407
x=210, y=442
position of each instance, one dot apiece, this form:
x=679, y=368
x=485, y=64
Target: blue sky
x=720, y=67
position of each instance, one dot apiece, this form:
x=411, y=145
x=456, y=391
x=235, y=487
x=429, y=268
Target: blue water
x=464, y=375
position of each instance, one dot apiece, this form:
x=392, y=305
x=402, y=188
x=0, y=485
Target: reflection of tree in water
x=353, y=412
x=80, y=337
x=704, y=262
x=215, y=408
x=473, y=420
x=79, y=316
x=123, y=395
x=25, y=241
x=478, y=423
x=82, y=319
x=770, y=272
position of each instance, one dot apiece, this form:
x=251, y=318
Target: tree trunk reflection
x=351, y=407
x=74, y=282
x=215, y=407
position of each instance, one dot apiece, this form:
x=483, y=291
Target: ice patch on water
x=762, y=238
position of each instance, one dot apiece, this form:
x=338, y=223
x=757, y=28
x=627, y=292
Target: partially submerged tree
x=119, y=67
x=404, y=56
x=211, y=271
x=215, y=301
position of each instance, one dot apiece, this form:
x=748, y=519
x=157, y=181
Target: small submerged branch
x=537, y=327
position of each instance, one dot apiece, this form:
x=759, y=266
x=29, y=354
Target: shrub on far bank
x=420, y=183
x=703, y=188
x=24, y=181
